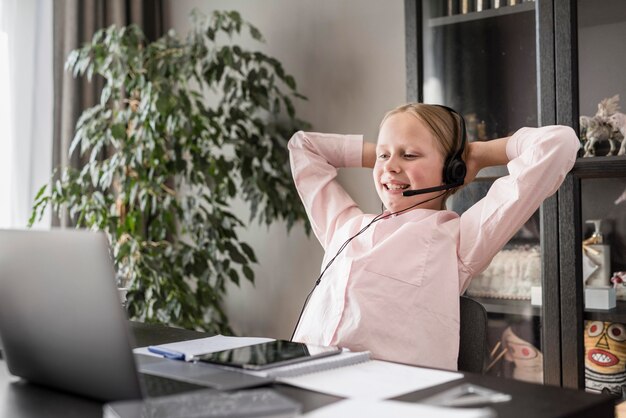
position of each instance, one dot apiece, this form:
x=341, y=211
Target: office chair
x=473, y=336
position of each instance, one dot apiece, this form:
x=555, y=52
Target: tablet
x=266, y=355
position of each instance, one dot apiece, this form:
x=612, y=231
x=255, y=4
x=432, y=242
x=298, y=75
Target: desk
x=20, y=399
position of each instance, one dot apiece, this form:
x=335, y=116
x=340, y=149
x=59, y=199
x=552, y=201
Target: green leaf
x=234, y=276
x=118, y=131
x=40, y=192
x=290, y=81
x=234, y=254
x=255, y=33
x=247, y=271
x=248, y=251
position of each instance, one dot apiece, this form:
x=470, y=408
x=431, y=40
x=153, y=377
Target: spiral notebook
x=356, y=375
x=369, y=379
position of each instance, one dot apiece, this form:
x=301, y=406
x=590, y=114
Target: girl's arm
x=314, y=159
x=368, y=158
x=485, y=154
x=538, y=160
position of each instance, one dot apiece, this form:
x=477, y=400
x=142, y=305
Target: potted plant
x=182, y=128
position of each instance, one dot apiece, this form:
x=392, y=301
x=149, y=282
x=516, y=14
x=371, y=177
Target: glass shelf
x=617, y=314
x=484, y=14
x=511, y=307
x=600, y=167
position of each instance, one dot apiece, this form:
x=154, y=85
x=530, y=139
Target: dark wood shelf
x=468, y=17
x=509, y=307
x=617, y=314
x=600, y=167
x=490, y=46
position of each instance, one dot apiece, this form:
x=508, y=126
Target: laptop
x=62, y=324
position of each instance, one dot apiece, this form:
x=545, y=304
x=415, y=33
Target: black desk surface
x=20, y=399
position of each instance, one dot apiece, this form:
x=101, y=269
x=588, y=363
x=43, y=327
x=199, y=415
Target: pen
x=167, y=353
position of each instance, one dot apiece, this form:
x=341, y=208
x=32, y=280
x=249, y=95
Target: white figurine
x=618, y=122
x=599, y=129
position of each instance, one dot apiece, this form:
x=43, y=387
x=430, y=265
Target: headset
x=454, y=171
x=454, y=168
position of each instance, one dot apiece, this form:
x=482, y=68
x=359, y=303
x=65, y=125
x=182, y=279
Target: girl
x=394, y=288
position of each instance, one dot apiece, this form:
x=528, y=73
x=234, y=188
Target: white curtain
x=25, y=107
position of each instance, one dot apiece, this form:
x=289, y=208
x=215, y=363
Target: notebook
x=370, y=379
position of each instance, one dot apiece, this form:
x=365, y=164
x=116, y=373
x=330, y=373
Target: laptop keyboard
x=154, y=386
x=210, y=403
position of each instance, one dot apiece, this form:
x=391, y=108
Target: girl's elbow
x=296, y=141
x=567, y=141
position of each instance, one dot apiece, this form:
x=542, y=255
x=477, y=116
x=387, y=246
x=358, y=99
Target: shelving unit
x=571, y=219
x=487, y=63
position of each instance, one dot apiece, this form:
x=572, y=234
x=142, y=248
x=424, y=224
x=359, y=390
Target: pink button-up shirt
x=395, y=289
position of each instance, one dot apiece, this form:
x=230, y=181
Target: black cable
x=345, y=244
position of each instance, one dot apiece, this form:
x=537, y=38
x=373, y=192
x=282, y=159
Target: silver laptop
x=61, y=321
x=62, y=324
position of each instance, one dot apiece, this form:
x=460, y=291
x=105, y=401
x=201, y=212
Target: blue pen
x=166, y=352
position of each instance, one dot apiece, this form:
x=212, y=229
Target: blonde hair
x=443, y=124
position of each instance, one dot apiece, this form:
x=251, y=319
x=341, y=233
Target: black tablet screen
x=268, y=354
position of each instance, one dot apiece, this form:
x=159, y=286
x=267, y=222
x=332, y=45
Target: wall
x=601, y=53
x=348, y=58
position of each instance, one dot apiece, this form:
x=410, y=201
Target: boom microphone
x=431, y=189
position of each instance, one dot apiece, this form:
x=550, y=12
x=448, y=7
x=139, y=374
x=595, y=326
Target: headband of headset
x=454, y=169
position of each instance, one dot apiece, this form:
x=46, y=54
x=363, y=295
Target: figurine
x=618, y=122
x=619, y=277
x=598, y=130
x=605, y=357
x=527, y=358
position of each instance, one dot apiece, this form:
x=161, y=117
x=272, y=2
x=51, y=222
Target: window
x=6, y=128
x=25, y=106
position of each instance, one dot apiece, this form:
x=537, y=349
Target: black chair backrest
x=473, y=341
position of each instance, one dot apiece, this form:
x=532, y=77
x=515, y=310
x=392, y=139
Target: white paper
x=193, y=348
x=373, y=379
x=363, y=408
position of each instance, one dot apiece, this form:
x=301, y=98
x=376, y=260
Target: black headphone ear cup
x=455, y=171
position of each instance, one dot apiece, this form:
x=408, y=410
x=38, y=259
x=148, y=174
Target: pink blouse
x=395, y=289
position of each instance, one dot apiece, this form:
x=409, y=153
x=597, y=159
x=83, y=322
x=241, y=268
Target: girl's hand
x=484, y=154
x=472, y=161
